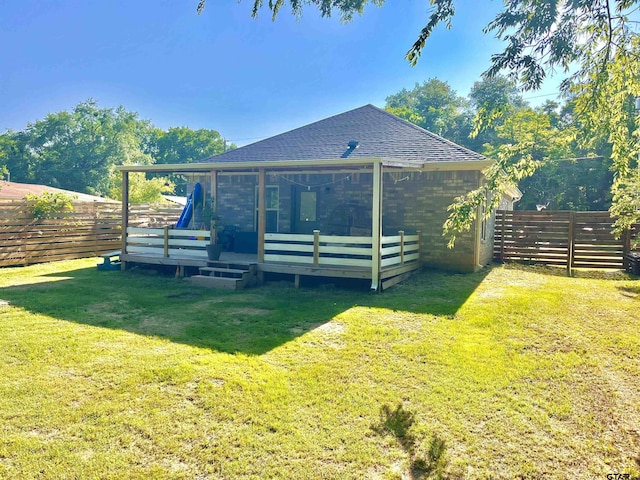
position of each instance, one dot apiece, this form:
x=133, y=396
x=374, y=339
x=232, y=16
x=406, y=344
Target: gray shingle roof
x=379, y=135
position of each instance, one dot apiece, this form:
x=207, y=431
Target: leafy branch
x=48, y=204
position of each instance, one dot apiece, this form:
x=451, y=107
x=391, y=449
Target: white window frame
x=277, y=209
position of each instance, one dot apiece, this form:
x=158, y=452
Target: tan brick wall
x=420, y=203
x=412, y=201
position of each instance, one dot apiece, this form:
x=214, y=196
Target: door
x=272, y=208
x=304, y=206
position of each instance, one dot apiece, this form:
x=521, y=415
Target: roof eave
x=320, y=163
x=208, y=166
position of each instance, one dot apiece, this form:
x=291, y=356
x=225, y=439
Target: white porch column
x=214, y=195
x=262, y=215
x=125, y=214
x=376, y=225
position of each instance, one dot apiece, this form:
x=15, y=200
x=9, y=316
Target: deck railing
x=400, y=249
x=314, y=249
x=168, y=242
x=332, y=250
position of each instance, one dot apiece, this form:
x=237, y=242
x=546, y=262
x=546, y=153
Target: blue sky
x=223, y=70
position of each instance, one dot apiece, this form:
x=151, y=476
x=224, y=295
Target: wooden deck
x=273, y=267
x=291, y=254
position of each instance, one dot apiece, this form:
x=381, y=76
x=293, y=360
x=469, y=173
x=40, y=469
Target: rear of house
x=361, y=176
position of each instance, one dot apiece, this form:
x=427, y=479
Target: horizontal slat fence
x=89, y=230
x=564, y=238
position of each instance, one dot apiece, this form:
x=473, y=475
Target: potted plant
x=209, y=221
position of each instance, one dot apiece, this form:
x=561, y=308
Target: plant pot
x=213, y=251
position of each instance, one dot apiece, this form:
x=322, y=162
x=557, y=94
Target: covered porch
x=302, y=218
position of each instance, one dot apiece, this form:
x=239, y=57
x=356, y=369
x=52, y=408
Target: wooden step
x=234, y=264
x=218, y=282
x=222, y=272
x=230, y=262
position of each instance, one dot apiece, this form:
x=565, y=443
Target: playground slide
x=193, y=200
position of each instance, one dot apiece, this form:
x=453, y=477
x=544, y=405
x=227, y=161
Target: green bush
x=48, y=204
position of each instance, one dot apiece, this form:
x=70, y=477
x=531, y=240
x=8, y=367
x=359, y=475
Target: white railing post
x=376, y=226
x=401, y=233
x=316, y=247
x=166, y=241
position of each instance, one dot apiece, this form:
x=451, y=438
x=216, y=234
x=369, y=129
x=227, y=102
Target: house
x=361, y=194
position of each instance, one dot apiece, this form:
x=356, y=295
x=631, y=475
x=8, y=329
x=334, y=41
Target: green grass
x=513, y=372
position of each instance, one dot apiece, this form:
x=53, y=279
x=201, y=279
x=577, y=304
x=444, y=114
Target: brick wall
x=420, y=203
x=412, y=201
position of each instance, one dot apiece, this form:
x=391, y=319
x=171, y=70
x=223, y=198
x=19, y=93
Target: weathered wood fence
x=89, y=230
x=565, y=238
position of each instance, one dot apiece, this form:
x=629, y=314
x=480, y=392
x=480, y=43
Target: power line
x=575, y=158
x=544, y=95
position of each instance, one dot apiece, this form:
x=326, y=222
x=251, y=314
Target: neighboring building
x=362, y=173
x=21, y=190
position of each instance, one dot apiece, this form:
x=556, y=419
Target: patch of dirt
x=324, y=334
x=331, y=328
x=46, y=436
x=626, y=416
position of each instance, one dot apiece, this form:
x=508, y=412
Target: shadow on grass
x=251, y=321
x=423, y=464
x=577, y=272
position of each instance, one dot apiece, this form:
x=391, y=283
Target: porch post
x=125, y=215
x=262, y=215
x=214, y=195
x=376, y=224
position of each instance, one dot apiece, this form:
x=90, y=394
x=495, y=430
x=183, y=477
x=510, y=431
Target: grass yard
x=513, y=372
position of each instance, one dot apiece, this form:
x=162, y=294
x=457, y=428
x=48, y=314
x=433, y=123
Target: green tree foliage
x=77, y=150
x=528, y=141
x=48, y=204
x=593, y=37
x=183, y=145
x=493, y=99
x=143, y=190
x=571, y=184
x=559, y=183
x=433, y=105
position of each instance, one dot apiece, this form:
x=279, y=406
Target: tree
x=141, y=189
x=493, y=99
x=528, y=141
x=433, y=105
x=183, y=145
x=593, y=36
x=77, y=150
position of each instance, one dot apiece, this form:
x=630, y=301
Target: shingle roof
x=379, y=135
x=20, y=190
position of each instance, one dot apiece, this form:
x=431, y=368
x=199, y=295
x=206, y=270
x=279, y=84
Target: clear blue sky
x=222, y=70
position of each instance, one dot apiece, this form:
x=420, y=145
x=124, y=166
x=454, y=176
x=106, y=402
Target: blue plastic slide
x=193, y=200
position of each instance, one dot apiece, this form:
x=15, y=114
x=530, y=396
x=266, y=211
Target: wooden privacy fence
x=89, y=230
x=571, y=239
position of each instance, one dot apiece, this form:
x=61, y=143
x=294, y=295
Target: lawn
x=512, y=372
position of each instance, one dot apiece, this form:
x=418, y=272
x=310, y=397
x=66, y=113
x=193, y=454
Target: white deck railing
x=338, y=250
x=400, y=249
x=168, y=242
x=314, y=249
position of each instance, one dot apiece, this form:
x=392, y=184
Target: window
x=483, y=219
x=272, y=202
x=308, y=202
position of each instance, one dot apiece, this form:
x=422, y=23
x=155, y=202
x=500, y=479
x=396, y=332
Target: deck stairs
x=233, y=275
